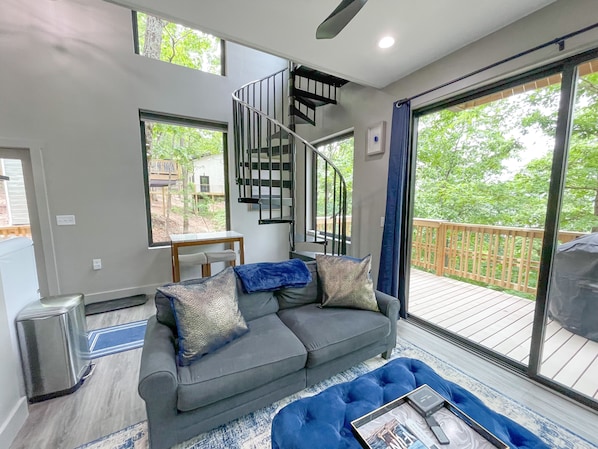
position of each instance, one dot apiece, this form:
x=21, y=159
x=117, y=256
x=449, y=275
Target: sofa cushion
x=256, y=305
x=346, y=282
x=207, y=315
x=293, y=297
x=267, y=352
x=334, y=332
x=251, y=305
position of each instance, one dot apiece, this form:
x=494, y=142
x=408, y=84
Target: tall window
x=505, y=222
x=186, y=176
x=158, y=38
x=340, y=152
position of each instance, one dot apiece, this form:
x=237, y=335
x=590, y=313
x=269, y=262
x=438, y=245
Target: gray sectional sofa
x=291, y=344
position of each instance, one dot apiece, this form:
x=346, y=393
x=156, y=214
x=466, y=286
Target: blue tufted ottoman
x=323, y=421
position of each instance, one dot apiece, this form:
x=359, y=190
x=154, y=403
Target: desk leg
x=174, y=253
x=241, y=251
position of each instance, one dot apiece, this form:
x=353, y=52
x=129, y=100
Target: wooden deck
x=503, y=323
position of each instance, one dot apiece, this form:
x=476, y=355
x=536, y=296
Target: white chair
x=208, y=258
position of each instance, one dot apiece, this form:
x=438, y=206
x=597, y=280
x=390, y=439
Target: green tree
x=183, y=145
x=461, y=162
x=580, y=199
x=177, y=44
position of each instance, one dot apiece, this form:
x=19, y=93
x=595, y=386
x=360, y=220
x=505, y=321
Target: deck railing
x=15, y=231
x=494, y=255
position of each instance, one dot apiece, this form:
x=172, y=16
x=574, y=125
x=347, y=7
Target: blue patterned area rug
x=253, y=431
x=114, y=339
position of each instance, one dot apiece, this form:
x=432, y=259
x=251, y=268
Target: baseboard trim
x=13, y=423
x=108, y=295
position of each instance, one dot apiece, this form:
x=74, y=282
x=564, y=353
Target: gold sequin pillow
x=346, y=282
x=207, y=315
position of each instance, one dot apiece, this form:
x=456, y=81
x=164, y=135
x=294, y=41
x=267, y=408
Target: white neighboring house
x=208, y=175
x=16, y=199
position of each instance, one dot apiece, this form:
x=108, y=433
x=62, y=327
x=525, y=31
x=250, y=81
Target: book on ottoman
x=422, y=419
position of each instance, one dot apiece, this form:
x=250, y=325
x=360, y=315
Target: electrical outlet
x=97, y=264
x=381, y=222
x=65, y=220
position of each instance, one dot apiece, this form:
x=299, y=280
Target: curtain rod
x=559, y=40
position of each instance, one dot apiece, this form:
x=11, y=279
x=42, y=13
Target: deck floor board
x=503, y=323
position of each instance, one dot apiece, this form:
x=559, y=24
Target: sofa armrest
x=158, y=371
x=389, y=306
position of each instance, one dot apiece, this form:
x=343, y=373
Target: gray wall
x=361, y=106
x=70, y=90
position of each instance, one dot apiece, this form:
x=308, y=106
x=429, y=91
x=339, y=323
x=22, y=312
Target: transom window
x=172, y=42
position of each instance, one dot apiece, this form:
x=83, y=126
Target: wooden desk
x=206, y=238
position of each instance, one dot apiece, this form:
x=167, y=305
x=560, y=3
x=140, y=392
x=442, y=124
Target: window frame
x=173, y=119
x=313, y=202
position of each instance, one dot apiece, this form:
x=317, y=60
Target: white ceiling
x=424, y=30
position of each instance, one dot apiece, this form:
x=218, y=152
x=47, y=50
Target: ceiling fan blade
x=339, y=18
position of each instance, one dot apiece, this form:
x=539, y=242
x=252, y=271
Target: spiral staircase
x=281, y=175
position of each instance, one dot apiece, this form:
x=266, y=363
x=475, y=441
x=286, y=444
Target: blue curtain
x=394, y=238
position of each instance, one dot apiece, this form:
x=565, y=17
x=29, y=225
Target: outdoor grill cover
x=573, y=296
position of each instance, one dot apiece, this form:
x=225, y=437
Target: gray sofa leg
x=386, y=354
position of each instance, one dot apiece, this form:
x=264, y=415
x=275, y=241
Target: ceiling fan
x=339, y=18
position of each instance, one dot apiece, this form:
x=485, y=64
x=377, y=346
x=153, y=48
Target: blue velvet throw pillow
x=207, y=315
x=270, y=276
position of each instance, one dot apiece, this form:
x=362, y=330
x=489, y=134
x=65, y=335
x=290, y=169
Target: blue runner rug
x=114, y=339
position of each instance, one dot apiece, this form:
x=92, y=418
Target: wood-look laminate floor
x=105, y=403
x=109, y=401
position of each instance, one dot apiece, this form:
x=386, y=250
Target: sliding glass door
x=570, y=349
x=505, y=183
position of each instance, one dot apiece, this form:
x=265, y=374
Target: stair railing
x=266, y=167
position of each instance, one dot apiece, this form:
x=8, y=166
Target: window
x=186, y=176
x=204, y=184
x=340, y=152
x=158, y=38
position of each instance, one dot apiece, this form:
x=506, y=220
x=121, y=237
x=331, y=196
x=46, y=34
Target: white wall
x=361, y=107
x=69, y=79
x=18, y=287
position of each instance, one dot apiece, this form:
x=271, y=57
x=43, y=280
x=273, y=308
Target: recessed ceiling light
x=386, y=42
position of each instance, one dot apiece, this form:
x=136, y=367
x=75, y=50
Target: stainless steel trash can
x=52, y=336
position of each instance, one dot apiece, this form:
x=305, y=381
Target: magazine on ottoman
x=422, y=419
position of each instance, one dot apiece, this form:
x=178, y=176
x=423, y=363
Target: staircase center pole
x=292, y=153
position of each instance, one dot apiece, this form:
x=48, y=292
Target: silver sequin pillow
x=346, y=282
x=207, y=315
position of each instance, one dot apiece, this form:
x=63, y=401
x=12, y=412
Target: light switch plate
x=65, y=220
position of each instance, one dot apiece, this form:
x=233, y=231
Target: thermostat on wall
x=375, y=143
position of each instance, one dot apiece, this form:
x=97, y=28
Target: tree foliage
x=340, y=153
x=491, y=164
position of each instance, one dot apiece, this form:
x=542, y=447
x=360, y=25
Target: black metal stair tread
x=286, y=166
x=285, y=202
x=273, y=150
x=315, y=99
x=316, y=75
x=276, y=220
x=300, y=117
x=265, y=183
